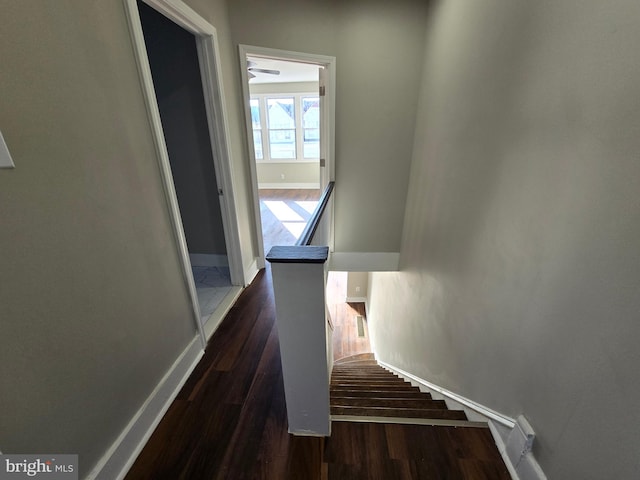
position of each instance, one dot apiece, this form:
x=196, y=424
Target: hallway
x=229, y=422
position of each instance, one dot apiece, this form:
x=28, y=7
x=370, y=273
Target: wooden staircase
x=363, y=391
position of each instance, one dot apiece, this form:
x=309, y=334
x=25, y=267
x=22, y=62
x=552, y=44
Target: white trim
x=213, y=90
x=434, y=422
x=5, y=156
x=526, y=469
x=117, y=460
x=364, y=261
x=476, y=407
x=215, y=319
x=502, y=450
x=148, y=90
x=208, y=260
x=529, y=469
x=329, y=64
x=297, y=97
x=252, y=270
x=288, y=161
x=356, y=299
x=284, y=186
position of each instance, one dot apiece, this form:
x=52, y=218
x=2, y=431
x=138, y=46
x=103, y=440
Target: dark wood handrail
x=314, y=221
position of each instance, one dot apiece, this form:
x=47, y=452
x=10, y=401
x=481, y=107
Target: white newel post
x=299, y=288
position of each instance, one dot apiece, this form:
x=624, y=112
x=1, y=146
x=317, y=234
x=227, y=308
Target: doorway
x=290, y=132
x=173, y=58
x=177, y=58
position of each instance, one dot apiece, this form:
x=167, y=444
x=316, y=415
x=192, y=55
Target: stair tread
x=399, y=412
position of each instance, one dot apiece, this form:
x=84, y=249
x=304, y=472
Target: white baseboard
x=283, y=186
x=117, y=460
x=497, y=437
x=529, y=469
x=208, y=260
x=524, y=467
x=486, y=412
x=364, y=261
x=250, y=272
x=356, y=299
x=223, y=308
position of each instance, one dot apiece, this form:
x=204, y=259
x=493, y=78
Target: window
x=282, y=127
x=286, y=127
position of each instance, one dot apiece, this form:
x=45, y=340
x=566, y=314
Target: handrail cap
x=298, y=254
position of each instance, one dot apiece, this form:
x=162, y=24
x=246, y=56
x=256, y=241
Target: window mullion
x=299, y=131
x=266, y=148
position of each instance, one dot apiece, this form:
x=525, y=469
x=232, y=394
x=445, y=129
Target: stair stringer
x=524, y=468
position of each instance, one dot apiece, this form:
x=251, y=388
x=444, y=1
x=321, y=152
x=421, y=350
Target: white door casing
x=209, y=59
x=327, y=79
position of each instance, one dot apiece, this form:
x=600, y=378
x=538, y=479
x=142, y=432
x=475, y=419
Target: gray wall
x=178, y=85
x=520, y=260
x=93, y=306
x=377, y=45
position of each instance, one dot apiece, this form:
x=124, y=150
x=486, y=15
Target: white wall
x=357, y=285
x=520, y=260
x=376, y=45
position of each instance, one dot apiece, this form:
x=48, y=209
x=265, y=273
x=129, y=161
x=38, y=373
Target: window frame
x=299, y=126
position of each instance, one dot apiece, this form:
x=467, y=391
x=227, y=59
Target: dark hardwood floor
x=229, y=422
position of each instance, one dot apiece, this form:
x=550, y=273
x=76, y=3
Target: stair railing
x=304, y=328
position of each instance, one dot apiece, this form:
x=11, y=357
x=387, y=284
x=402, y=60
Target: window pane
x=282, y=143
x=257, y=144
x=255, y=112
x=311, y=146
x=281, y=113
x=311, y=112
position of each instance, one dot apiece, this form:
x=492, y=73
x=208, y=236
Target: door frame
x=328, y=63
x=210, y=70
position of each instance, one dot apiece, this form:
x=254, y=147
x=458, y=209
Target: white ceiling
x=289, y=71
